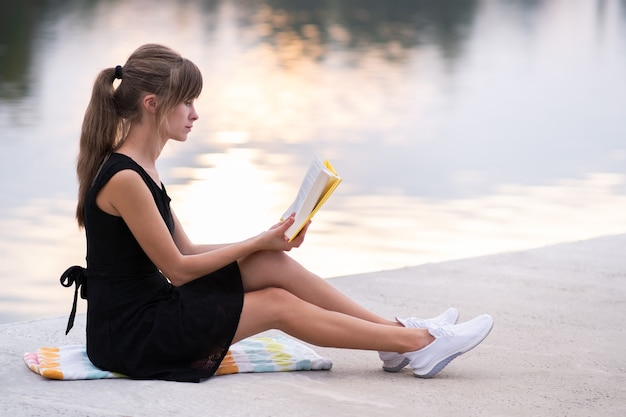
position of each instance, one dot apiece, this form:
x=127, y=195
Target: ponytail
x=99, y=136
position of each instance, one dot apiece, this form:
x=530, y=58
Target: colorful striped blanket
x=256, y=354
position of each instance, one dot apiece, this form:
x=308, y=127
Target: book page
x=319, y=182
x=305, y=188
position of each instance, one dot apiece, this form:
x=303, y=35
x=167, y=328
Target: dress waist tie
x=74, y=275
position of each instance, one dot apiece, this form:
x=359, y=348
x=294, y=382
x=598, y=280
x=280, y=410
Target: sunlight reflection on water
x=496, y=127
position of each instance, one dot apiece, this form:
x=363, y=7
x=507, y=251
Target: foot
x=393, y=362
x=451, y=340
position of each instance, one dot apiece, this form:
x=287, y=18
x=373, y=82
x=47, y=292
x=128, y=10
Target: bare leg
x=275, y=308
x=278, y=270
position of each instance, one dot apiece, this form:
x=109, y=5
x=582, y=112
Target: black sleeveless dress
x=138, y=324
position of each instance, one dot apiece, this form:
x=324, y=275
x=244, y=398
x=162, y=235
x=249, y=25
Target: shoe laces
x=413, y=322
x=446, y=329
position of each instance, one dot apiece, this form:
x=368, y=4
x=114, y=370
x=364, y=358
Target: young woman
x=162, y=307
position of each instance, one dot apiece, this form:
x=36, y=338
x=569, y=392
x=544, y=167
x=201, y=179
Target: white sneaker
x=394, y=362
x=451, y=340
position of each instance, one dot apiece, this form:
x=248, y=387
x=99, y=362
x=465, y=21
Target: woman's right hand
x=276, y=239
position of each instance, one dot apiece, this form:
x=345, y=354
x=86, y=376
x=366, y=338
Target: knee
x=269, y=258
x=278, y=297
x=265, y=268
x=283, y=304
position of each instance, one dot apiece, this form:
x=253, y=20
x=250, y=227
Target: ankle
x=428, y=338
x=421, y=338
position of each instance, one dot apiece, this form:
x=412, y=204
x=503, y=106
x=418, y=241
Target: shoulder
x=127, y=181
x=125, y=189
x=113, y=164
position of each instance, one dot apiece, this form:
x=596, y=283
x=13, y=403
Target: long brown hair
x=151, y=69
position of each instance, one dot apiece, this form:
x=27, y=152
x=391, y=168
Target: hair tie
x=118, y=72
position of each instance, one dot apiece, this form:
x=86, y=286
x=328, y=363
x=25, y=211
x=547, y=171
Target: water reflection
x=460, y=128
x=313, y=29
x=292, y=29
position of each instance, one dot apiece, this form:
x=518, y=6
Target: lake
x=460, y=128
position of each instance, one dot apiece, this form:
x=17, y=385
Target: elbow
x=176, y=280
x=176, y=274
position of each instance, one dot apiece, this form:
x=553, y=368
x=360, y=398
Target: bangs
x=192, y=77
x=185, y=83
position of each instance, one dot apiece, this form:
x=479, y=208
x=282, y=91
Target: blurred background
x=460, y=128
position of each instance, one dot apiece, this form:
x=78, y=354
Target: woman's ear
x=150, y=103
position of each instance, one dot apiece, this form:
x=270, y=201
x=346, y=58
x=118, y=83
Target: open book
x=318, y=184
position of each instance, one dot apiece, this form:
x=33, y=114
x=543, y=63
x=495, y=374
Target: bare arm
x=187, y=247
x=126, y=195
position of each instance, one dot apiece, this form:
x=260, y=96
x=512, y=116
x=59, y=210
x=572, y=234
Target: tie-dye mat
x=256, y=354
